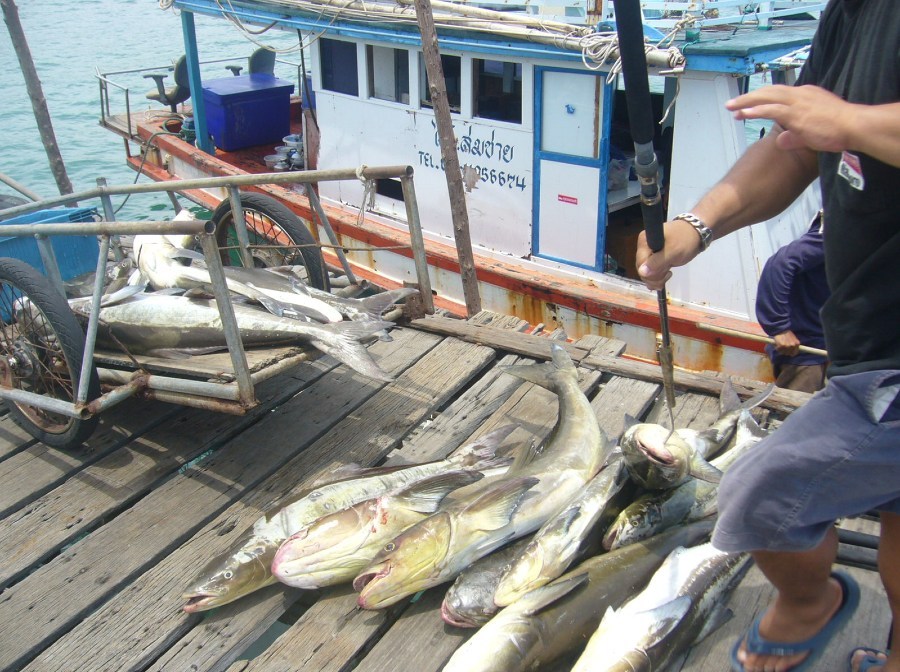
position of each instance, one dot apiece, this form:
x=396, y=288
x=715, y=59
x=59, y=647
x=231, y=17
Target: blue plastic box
x=75, y=255
x=247, y=110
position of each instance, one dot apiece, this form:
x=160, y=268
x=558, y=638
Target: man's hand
x=682, y=245
x=787, y=343
x=810, y=116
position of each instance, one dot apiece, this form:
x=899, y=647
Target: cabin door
x=571, y=150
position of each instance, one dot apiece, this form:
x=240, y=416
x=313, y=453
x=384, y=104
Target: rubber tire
x=62, y=325
x=283, y=218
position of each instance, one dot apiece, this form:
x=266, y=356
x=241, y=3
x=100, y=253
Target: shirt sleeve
x=773, y=297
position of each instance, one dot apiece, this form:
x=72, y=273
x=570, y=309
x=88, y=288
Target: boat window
x=389, y=187
x=338, y=63
x=388, y=73
x=498, y=90
x=452, y=66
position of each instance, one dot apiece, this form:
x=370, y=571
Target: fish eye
x=228, y=574
x=390, y=546
x=315, y=495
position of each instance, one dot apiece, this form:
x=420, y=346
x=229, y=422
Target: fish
x=336, y=547
x=165, y=325
x=159, y=259
x=555, y=620
x=658, y=458
x=482, y=517
x=692, y=500
x=469, y=603
x=558, y=542
x=246, y=566
x=683, y=603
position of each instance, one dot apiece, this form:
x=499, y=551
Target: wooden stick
x=757, y=337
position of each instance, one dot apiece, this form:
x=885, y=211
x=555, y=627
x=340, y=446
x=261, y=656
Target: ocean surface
x=70, y=40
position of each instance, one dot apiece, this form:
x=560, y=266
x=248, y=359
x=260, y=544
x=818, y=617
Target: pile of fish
x=272, y=308
x=521, y=536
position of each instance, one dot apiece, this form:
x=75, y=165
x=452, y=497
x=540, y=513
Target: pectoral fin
x=425, y=496
x=700, y=468
x=494, y=508
x=545, y=596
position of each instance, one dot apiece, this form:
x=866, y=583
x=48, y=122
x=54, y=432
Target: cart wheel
x=41, y=350
x=270, y=223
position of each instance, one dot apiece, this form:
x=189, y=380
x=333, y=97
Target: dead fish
x=657, y=458
x=681, y=605
x=151, y=324
x=246, y=566
x=439, y=547
x=556, y=619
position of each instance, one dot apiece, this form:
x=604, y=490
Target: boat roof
x=733, y=49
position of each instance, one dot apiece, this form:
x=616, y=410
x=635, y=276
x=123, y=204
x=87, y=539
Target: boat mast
x=36, y=93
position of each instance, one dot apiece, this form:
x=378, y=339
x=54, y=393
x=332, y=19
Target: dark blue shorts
x=837, y=456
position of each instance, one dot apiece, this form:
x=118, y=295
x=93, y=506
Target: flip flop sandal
x=870, y=663
x=815, y=645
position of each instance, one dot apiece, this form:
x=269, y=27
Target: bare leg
x=888, y=564
x=807, y=599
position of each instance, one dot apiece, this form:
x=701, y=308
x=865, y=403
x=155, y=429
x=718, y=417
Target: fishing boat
x=540, y=126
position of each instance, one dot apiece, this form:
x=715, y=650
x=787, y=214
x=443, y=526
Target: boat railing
x=113, y=81
x=667, y=14
x=234, y=396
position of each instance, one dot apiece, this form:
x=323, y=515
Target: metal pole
x=323, y=218
x=418, y=241
x=449, y=155
x=109, y=214
x=21, y=188
x=90, y=337
x=240, y=227
x=36, y=93
x=197, y=104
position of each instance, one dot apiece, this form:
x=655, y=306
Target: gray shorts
x=837, y=456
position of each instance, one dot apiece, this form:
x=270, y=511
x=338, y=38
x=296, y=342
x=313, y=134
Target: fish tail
x=756, y=400
x=346, y=346
x=376, y=304
x=550, y=375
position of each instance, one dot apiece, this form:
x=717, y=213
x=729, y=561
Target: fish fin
x=299, y=288
x=497, y=505
x=546, y=374
x=425, y=496
x=122, y=294
x=700, y=468
x=545, y=596
x=669, y=615
x=484, y=447
x=563, y=521
x=728, y=398
x=718, y=617
x=346, y=346
x=525, y=455
x=376, y=304
x=184, y=253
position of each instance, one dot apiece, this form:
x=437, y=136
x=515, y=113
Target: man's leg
x=807, y=599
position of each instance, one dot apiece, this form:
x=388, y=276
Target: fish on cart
x=171, y=326
x=556, y=620
x=659, y=458
x=655, y=511
x=683, y=603
x=246, y=566
x=484, y=516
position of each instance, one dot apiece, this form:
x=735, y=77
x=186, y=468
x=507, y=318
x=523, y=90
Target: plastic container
x=247, y=110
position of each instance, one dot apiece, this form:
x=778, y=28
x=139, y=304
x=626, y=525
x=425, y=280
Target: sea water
x=70, y=41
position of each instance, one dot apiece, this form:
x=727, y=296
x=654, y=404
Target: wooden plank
x=781, y=400
x=55, y=597
x=12, y=437
x=147, y=615
x=34, y=471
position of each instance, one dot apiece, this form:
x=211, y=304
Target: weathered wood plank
x=12, y=437
x=34, y=471
x=366, y=432
x=54, y=598
x=781, y=400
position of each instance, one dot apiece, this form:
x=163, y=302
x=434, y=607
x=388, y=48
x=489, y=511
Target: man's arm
x=765, y=180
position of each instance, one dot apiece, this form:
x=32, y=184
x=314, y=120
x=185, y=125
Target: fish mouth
x=657, y=455
x=450, y=617
x=198, y=602
x=364, y=579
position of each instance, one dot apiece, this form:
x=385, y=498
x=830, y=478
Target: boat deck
x=98, y=545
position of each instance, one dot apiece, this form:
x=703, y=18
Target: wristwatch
x=706, y=234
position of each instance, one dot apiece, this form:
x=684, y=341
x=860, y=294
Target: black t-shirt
x=856, y=54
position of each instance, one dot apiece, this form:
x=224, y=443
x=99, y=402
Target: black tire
x=269, y=222
x=41, y=350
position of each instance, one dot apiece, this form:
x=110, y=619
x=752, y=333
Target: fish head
x=456, y=610
x=242, y=570
x=320, y=554
x=655, y=456
x=511, y=643
x=523, y=575
x=635, y=523
x=406, y=564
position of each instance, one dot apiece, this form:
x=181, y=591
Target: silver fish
x=153, y=324
x=681, y=605
x=247, y=565
x=555, y=620
x=692, y=500
x=558, y=542
x=658, y=458
x=481, y=519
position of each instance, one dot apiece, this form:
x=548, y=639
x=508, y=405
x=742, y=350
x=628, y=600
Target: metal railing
x=233, y=397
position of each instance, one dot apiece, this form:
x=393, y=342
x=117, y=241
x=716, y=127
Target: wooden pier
x=98, y=545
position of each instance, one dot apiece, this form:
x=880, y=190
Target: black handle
x=629, y=28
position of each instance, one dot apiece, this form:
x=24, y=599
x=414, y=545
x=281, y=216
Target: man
x=792, y=289
x=839, y=455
